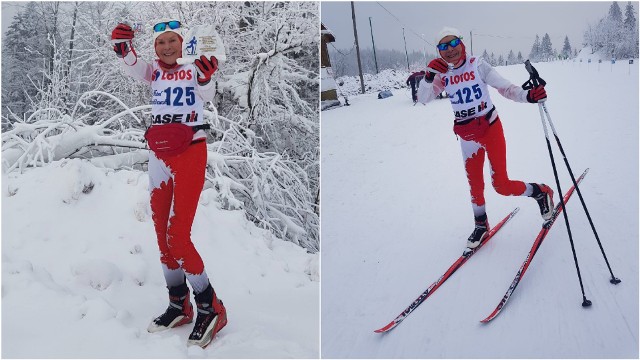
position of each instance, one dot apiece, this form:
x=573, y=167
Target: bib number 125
x=464, y=94
x=178, y=92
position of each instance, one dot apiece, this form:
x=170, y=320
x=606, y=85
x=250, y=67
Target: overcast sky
x=497, y=26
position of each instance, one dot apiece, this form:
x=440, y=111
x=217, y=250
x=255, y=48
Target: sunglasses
x=453, y=43
x=160, y=27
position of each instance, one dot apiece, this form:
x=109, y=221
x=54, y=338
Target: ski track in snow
x=396, y=214
x=81, y=275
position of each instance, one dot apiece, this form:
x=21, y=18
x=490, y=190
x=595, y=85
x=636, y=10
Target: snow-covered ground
x=81, y=275
x=396, y=214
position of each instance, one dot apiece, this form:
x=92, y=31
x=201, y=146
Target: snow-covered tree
x=23, y=54
x=519, y=58
x=511, y=58
x=612, y=36
x=492, y=59
x=485, y=55
x=546, y=49
x=631, y=29
x=535, y=54
x=615, y=14
x=566, y=48
x=500, y=60
x=630, y=16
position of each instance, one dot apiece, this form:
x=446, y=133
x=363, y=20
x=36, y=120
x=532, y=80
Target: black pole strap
x=534, y=78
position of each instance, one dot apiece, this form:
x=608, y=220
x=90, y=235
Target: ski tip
x=389, y=326
x=487, y=319
x=490, y=317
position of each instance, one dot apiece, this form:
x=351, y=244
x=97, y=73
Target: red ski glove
x=120, y=37
x=435, y=66
x=206, y=68
x=537, y=94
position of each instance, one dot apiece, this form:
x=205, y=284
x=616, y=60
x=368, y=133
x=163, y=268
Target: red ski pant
x=176, y=183
x=473, y=154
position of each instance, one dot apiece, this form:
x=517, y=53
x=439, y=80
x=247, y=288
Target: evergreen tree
x=500, y=60
x=485, y=55
x=631, y=30
x=492, y=60
x=613, y=29
x=546, y=49
x=520, y=59
x=23, y=59
x=534, y=55
x=511, y=58
x=566, y=49
x=615, y=13
x=630, y=17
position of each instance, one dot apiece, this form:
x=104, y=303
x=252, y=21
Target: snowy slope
x=81, y=275
x=396, y=214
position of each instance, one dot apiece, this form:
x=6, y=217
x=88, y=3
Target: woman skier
x=177, y=166
x=476, y=122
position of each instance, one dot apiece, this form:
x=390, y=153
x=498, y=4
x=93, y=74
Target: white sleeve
x=137, y=68
x=490, y=76
x=427, y=91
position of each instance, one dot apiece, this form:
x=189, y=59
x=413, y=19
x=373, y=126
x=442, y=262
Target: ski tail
x=452, y=269
x=534, y=249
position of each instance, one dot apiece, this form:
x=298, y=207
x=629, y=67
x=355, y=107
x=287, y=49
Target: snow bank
x=385, y=80
x=81, y=276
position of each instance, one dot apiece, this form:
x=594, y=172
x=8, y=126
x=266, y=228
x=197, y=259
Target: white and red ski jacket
x=176, y=96
x=467, y=89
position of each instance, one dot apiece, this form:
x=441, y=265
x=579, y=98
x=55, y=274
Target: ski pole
x=535, y=80
x=614, y=280
x=585, y=302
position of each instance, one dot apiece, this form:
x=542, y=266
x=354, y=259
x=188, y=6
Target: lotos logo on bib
x=455, y=79
x=155, y=75
x=176, y=76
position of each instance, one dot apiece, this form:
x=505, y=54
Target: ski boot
x=179, y=312
x=544, y=196
x=479, y=233
x=212, y=317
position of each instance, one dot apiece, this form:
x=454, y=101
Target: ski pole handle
x=534, y=78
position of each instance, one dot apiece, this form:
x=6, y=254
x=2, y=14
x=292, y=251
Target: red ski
x=534, y=249
x=452, y=269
